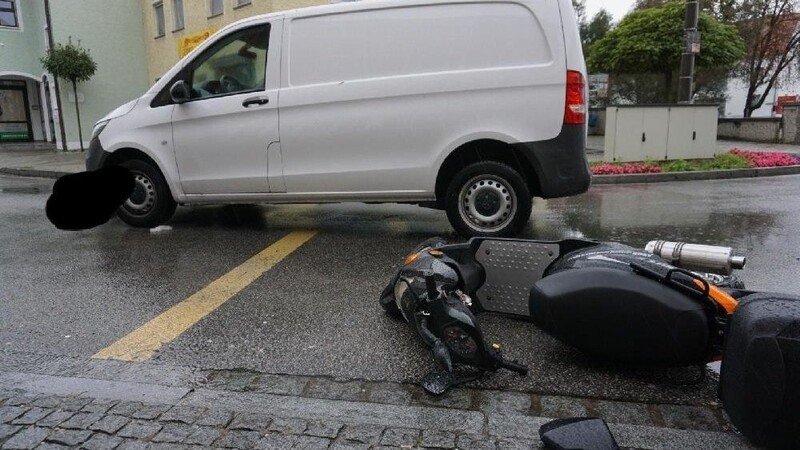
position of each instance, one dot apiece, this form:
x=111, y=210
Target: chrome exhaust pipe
x=696, y=257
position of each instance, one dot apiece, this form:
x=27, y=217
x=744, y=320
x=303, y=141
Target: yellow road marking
x=142, y=343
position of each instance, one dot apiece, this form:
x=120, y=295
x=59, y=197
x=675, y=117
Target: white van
x=470, y=106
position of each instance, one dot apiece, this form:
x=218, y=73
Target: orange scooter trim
x=721, y=297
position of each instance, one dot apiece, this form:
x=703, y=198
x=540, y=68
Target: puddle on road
x=22, y=190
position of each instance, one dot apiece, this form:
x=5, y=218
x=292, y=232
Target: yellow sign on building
x=188, y=43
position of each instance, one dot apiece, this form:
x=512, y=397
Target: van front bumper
x=96, y=156
x=560, y=163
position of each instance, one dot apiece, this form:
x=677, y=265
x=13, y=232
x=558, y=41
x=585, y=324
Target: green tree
x=74, y=63
x=651, y=41
x=596, y=29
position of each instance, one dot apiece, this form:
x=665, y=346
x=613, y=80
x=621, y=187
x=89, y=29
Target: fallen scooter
x=670, y=305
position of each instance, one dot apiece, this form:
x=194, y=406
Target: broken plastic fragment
x=161, y=228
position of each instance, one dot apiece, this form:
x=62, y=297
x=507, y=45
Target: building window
x=158, y=8
x=8, y=14
x=177, y=12
x=240, y=3
x=215, y=8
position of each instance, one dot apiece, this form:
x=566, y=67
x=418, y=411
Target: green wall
x=113, y=32
x=21, y=50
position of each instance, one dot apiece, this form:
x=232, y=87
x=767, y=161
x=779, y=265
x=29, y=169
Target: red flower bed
x=611, y=169
x=766, y=159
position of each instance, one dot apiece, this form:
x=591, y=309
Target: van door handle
x=255, y=101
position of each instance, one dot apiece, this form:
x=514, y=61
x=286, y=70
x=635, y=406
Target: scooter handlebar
x=514, y=367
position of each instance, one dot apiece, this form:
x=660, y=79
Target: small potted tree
x=74, y=63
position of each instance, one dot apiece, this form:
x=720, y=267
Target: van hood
x=120, y=111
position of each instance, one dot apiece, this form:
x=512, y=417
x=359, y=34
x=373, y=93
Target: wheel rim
x=143, y=197
x=487, y=203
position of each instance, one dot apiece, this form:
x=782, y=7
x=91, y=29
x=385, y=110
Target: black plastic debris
x=577, y=433
x=87, y=199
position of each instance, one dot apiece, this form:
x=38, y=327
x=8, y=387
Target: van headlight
x=99, y=127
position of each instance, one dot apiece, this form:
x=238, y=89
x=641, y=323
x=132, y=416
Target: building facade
x=25, y=113
x=112, y=31
x=133, y=44
x=788, y=85
x=174, y=27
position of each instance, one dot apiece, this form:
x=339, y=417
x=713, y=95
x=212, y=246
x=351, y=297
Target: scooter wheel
x=388, y=304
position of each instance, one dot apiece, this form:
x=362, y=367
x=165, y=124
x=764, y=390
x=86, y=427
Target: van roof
x=343, y=6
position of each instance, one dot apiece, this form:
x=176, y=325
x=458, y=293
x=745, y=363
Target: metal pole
x=690, y=47
x=49, y=25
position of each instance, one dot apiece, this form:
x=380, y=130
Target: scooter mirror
x=437, y=383
x=577, y=433
x=442, y=356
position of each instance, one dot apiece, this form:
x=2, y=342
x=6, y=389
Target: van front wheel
x=488, y=199
x=151, y=202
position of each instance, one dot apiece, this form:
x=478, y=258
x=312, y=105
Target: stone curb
x=485, y=426
x=695, y=176
x=106, y=376
x=33, y=173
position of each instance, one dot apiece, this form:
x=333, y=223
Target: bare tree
x=771, y=30
x=591, y=32
x=722, y=10
x=580, y=11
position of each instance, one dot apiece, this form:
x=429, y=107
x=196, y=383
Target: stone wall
x=757, y=129
x=791, y=124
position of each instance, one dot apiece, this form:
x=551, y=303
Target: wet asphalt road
x=316, y=312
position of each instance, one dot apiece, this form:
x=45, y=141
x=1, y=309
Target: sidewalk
x=35, y=161
x=102, y=404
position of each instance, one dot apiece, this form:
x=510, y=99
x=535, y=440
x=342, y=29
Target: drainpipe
x=48, y=25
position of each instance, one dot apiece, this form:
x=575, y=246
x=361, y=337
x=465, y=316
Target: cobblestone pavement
x=54, y=402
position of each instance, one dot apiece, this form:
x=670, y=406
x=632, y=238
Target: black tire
x=492, y=191
x=388, y=302
x=151, y=203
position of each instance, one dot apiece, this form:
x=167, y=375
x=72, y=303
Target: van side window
x=236, y=64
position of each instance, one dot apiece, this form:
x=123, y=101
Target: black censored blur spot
x=85, y=200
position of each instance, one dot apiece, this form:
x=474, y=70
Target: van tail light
x=575, y=111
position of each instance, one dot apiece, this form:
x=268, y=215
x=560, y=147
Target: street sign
x=693, y=41
x=785, y=100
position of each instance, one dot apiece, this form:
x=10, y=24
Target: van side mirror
x=179, y=92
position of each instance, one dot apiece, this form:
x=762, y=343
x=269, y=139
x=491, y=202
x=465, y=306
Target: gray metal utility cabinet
x=659, y=132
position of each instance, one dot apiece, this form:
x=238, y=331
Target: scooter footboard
x=622, y=316
x=511, y=267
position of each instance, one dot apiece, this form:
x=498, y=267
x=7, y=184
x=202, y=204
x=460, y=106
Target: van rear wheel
x=151, y=202
x=488, y=199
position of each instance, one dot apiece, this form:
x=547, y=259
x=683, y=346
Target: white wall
x=737, y=94
x=113, y=31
